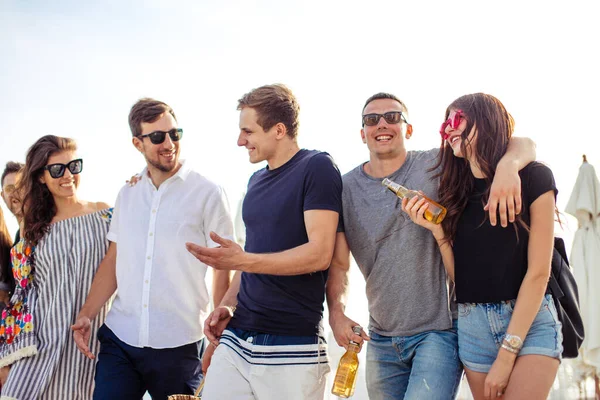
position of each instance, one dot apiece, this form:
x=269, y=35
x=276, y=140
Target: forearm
x=528, y=304
x=304, y=259
x=221, y=281
x=103, y=286
x=230, y=297
x=446, y=251
x=520, y=152
x=337, y=289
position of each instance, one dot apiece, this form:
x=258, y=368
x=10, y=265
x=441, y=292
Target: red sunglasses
x=453, y=120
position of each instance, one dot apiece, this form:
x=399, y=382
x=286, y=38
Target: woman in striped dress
x=54, y=264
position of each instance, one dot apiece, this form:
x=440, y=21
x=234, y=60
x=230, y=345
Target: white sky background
x=74, y=68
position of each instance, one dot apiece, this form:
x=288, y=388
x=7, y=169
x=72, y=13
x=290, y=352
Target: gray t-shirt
x=406, y=283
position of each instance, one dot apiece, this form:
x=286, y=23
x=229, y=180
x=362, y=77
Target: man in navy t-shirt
x=268, y=327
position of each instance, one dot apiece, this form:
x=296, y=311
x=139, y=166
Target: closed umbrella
x=584, y=204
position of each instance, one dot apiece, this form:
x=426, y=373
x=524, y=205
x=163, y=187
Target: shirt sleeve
x=539, y=181
x=113, y=232
x=323, y=184
x=217, y=217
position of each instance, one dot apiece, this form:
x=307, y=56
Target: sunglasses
x=453, y=121
x=58, y=170
x=157, y=137
x=391, y=117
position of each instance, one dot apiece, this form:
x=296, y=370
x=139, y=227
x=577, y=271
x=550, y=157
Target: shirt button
x=154, y=211
x=150, y=234
x=250, y=339
x=146, y=281
x=145, y=305
x=148, y=257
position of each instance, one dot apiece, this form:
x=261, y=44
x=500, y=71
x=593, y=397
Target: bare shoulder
x=102, y=206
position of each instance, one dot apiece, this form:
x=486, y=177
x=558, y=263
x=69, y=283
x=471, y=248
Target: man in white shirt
x=152, y=339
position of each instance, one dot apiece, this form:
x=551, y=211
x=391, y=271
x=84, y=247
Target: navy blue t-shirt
x=273, y=212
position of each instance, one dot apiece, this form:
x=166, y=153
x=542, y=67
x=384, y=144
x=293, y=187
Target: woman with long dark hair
x=509, y=335
x=64, y=240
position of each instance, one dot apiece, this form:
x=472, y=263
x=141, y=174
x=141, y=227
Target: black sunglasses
x=157, y=137
x=392, y=117
x=58, y=170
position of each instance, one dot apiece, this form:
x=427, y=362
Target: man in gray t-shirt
x=412, y=351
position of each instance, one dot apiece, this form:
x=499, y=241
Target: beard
x=162, y=167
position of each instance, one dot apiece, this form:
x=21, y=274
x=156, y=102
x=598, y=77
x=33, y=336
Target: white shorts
x=243, y=370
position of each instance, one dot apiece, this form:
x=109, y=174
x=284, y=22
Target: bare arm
x=539, y=253
x=505, y=193
x=532, y=288
x=315, y=255
x=337, y=291
x=415, y=209
x=220, y=285
x=103, y=286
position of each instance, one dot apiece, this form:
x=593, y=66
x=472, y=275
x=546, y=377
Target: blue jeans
x=482, y=327
x=124, y=372
x=422, y=366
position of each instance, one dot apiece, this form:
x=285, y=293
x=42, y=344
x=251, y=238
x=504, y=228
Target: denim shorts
x=482, y=326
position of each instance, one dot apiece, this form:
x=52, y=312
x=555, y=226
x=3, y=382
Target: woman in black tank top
x=510, y=339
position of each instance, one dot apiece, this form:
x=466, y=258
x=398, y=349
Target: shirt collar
x=182, y=173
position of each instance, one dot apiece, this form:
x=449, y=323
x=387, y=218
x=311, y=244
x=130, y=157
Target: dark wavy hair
x=6, y=275
x=494, y=127
x=38, y=204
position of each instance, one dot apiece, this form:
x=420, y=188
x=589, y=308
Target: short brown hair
x=12, y=167
x=383, y=95
x=273, y=104
x=147, y=110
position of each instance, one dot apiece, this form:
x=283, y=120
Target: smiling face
x=261, y=145
x=9, y=194
x=163, y=157
x=66, y=185
x=455, y=138
x=384, y=139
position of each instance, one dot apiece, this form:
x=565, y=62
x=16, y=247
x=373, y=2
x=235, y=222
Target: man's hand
x=342, y=326
x=229, y=255
x=216, y=323
x=4, y=371
x=505, y=194
x=82, y=329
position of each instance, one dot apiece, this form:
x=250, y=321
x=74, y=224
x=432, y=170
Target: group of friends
x=111, y=302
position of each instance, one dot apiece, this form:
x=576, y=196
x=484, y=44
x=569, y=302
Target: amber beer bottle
x=345, y=377
x=434, y=213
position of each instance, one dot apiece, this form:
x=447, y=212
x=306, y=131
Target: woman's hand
x=497, y=379
x=415, y=208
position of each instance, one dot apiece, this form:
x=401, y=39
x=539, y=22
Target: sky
x=74, y=68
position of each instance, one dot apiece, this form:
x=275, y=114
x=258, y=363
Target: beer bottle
x=345, y=377
x=434, y=213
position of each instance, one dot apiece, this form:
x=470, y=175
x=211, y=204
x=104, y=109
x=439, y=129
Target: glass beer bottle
x=434, y=213
x=345, y=377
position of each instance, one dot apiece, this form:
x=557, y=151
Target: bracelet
x=508, y=348
x=231, y=309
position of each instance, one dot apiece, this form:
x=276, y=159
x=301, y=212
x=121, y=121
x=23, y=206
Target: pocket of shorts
x=464, y=309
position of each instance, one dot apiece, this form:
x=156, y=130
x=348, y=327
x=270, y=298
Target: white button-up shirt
x=162, y=298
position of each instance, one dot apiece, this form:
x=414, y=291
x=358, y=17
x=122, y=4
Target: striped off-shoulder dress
x=37, y=340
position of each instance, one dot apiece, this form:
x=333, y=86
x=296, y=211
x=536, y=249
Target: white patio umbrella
x=584, y=204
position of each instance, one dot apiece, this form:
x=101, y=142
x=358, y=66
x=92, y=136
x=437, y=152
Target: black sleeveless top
x=491, y=261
